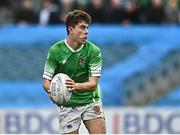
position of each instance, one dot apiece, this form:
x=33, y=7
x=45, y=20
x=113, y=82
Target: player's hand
x=70, y=84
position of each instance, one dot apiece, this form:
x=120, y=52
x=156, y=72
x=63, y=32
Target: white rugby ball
x=59, y=92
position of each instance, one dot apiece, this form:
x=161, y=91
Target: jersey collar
x=70, y=48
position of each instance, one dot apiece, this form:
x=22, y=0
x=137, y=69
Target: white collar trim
x=79, y=49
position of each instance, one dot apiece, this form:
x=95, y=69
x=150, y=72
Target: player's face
x=80, y=32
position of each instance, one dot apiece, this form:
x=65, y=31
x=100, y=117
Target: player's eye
x=82, y=27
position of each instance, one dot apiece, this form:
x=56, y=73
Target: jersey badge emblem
x=82, y=60
x=97, y=110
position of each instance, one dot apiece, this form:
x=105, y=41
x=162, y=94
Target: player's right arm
x=46, y=85
x=49, y=69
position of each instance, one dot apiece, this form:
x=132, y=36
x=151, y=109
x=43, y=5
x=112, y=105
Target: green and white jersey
x=79, y=65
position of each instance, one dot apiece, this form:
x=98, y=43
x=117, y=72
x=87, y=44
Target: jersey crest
x=82, y=60
x=97, y=110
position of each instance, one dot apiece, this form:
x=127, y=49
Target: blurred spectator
x=82, y=2
x=114, y=12
x=25, y=14
x=96, y=9
x=172, y=12
x=5, y=13
x=155, y=12
x=142, y=6
x=49, y=14
x=130, y=14
x=79, y=5
x=65, y=6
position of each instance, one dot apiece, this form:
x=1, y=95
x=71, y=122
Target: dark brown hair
x=74, y=17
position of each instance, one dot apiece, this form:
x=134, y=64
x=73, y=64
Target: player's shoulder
x=57, y=45
x=92, y=46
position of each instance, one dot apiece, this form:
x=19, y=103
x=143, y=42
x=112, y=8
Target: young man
x=82, y=61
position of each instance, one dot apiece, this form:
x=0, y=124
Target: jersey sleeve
x=95, y=63
x=50, y=65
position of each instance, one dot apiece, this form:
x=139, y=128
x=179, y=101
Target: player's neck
x=73, y=44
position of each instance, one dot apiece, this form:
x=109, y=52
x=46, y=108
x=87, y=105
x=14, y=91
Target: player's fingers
x=71, y=89
x=69, y=82
x=70, y=86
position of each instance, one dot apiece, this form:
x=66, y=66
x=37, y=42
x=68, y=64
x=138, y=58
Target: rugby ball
x=59, y=92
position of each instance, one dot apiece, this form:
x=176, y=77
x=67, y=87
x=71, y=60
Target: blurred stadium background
x=140, y=43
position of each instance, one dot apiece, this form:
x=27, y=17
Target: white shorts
x=70, y=118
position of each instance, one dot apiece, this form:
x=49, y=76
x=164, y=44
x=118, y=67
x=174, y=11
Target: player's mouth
x=84, y=38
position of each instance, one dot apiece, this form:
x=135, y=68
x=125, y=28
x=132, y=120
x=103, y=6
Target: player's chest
x=77, y=60
x=74, y=61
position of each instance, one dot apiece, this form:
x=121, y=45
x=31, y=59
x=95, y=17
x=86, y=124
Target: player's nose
x=86, y=31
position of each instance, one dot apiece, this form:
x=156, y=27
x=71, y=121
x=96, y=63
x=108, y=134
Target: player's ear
x=70, y=29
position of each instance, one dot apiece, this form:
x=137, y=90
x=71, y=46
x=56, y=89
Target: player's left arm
x=91, y=85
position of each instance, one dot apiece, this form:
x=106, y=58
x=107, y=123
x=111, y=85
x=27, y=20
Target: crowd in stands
x=45, y=12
